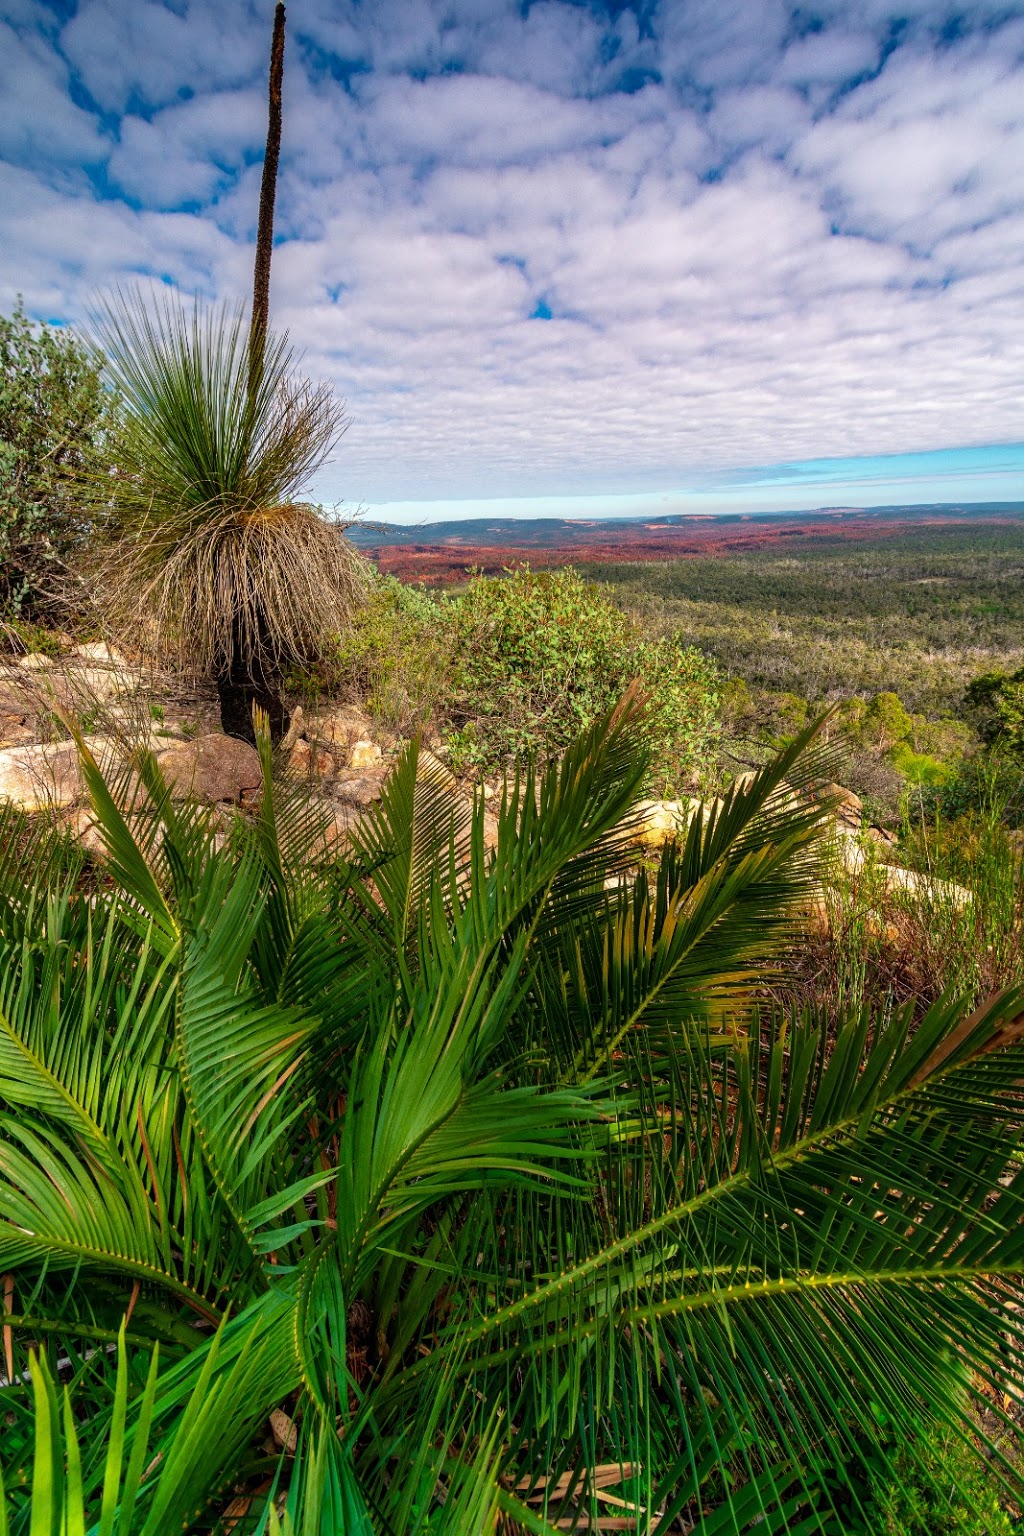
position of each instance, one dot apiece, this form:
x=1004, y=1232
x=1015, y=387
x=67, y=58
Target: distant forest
x=920, y=612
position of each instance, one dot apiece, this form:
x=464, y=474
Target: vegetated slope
x=920, y=610
x=443, y=552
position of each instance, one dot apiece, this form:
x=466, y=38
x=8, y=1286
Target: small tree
x=996, y=701
x=55, y=419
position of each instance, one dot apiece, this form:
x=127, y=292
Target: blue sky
x=566, y=256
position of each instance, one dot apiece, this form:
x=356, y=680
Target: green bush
x=394, y=657
x=919, y=767
x=937, y=1488
x=988, y=785
x=518, y=665
x=997, y=702
x=55, y=418
x=540, y=656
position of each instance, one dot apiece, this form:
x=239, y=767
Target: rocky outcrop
x=364, y=754
x=307, y=761
x=359, y=790
x=937, y=892
x=847, y=808
x=89, y=678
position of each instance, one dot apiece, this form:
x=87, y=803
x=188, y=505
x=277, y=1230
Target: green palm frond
x=484, y=1170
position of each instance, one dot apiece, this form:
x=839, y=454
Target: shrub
x=997, y=702
x=989, y=785
x=932, y=1485
x=880, y=946
x=515, y=666
x=394, y=656
x=55, y=423
x=540, y=656
x=919, y=767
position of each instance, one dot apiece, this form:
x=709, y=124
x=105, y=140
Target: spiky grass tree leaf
x=210, y=550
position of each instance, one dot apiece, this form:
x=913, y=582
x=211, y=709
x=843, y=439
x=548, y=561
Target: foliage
x=541, y=656
x=957, y=924
x=209, y=552
x=997, y=698
x=516, y=665
x=886, y=720
x=463, y=1165
x=986, y=785
x=954, y=1497
x=25, y=638
x=919, y=767
x=55, y=424
x=394, y=656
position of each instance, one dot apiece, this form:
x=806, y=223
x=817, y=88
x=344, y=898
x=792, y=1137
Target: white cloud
x=38, y=116
x=187, y=153
x=777, y=244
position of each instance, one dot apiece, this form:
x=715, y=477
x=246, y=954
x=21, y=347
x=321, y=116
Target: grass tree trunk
x=245, y=682
x=244, y=679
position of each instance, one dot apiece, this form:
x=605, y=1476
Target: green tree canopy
x=55, y=421
x=997, y=701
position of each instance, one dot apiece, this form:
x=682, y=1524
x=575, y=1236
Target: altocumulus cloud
x=556, y=248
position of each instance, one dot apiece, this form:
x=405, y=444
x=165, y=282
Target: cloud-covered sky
x=564, y=249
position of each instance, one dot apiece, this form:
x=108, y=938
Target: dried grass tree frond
x=210, y=553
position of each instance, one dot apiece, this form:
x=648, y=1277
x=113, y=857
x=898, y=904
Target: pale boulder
x=341, y=727
x=848, y=808
x=849, y=849
x=941, y=892
x=48, y=776
x=361, y=790
x=306, y=761
x=364, y=754
x=662, y=820
x=96, y=685
x=36, y=661
x=98, y=653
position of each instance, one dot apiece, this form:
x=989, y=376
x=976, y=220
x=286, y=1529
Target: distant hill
x=444, y=551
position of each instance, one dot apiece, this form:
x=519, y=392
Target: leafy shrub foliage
x=541, y=656
x=445, y=1190
x=518, y=665
x=394, y=656
x=997, y=700
x=55, y=420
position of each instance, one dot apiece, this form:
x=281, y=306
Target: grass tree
x=209, y=550
x=268, y=192
x=458, y=1191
